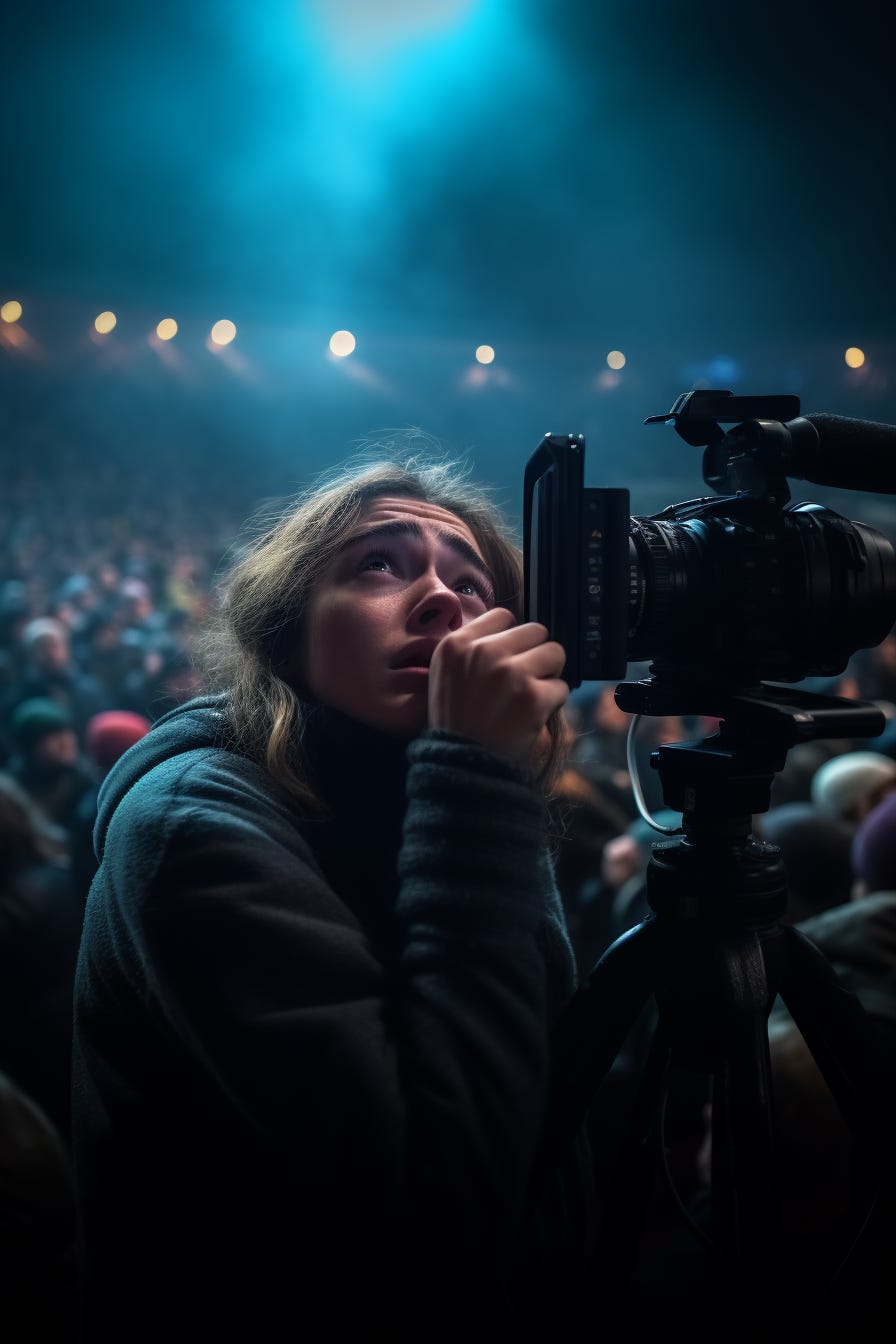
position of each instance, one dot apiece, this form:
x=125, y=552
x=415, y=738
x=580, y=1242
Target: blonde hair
x=246, y=647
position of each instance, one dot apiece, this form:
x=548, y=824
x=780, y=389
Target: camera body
x=720, y=591
x=576, y=556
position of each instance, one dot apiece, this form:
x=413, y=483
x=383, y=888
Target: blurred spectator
x=622, y=888
x=815, y=850
x=874, y=849
x=582, y=821
x=14, y=611
x=38, y=1276
x=48, y=671
x=876, y=671
x=137, y=613
x=107, y=737
x=187, y=587
x=167, y=678
x=600, y=751
x=74, y=600
x=47, y=762
x=106, y=654
x=40, y=929
x=848, y=787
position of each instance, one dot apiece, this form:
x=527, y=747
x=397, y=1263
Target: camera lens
x=741, y=594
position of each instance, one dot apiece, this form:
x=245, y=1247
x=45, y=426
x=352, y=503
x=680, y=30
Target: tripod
x=715, y=956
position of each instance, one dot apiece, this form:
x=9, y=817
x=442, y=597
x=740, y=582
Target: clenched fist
x=497, y=683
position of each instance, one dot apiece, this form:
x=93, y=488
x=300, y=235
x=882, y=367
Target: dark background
x=707, y=188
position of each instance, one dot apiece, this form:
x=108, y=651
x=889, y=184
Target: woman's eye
x=376, y=561
x=475, y=588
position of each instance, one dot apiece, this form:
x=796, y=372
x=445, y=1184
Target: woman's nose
x=437, y=610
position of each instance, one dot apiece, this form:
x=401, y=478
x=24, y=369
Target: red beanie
x=108, y=735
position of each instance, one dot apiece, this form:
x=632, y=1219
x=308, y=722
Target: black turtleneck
x=360, y=776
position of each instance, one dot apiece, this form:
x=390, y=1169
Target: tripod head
x=757, y=727
x=720, y=783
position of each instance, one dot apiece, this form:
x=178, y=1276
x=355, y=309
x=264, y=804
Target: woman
x=323, y=952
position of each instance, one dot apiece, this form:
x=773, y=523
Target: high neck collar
x=359, y=775
x=354, y=767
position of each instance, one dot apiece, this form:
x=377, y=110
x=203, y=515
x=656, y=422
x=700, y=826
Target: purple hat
x=874, y=847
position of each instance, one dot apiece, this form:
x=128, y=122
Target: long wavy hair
x=260, y=603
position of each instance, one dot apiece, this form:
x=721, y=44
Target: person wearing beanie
x=106, y=738
x=49, y=671
x=874, y=849
x=815, y=851
x=42, y=721
x=847, y=787
x=47, y=761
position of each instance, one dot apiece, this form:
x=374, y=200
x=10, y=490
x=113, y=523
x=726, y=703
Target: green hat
x=35, y=719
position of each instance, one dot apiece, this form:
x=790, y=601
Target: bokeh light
x=105, y=323
x=485, y=354
x=11, y=311
x=855, y=357
x=616, y=359
x=166, y=329
x=223, y=332
x=342, y=343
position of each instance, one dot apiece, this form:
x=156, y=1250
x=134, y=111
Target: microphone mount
x=770, y=440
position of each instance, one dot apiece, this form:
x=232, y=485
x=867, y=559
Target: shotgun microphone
x=837, y=450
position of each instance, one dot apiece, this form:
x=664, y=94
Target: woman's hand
x=497, y=683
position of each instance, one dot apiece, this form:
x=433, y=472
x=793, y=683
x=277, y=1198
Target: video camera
x=719, y=591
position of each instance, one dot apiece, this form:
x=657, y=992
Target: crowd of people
x=105, y=577
x=100, y=629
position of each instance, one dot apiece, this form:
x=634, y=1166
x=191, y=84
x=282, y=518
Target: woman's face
x=408, y=574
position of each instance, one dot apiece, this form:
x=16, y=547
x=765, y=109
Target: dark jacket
x=40, y=929
x=824, y=1174
x=859, y=940
x=312, y=1053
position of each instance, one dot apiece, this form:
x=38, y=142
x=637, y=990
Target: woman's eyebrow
x=406, y=527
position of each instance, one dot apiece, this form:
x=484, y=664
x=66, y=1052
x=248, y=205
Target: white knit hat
x=845, y=781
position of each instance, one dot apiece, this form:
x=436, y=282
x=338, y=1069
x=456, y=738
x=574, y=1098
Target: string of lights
x=223, y=332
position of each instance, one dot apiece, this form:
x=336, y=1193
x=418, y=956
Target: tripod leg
x=744, y=1206
x=588, y=1038
x=625, y=1202
x=594, y=1027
